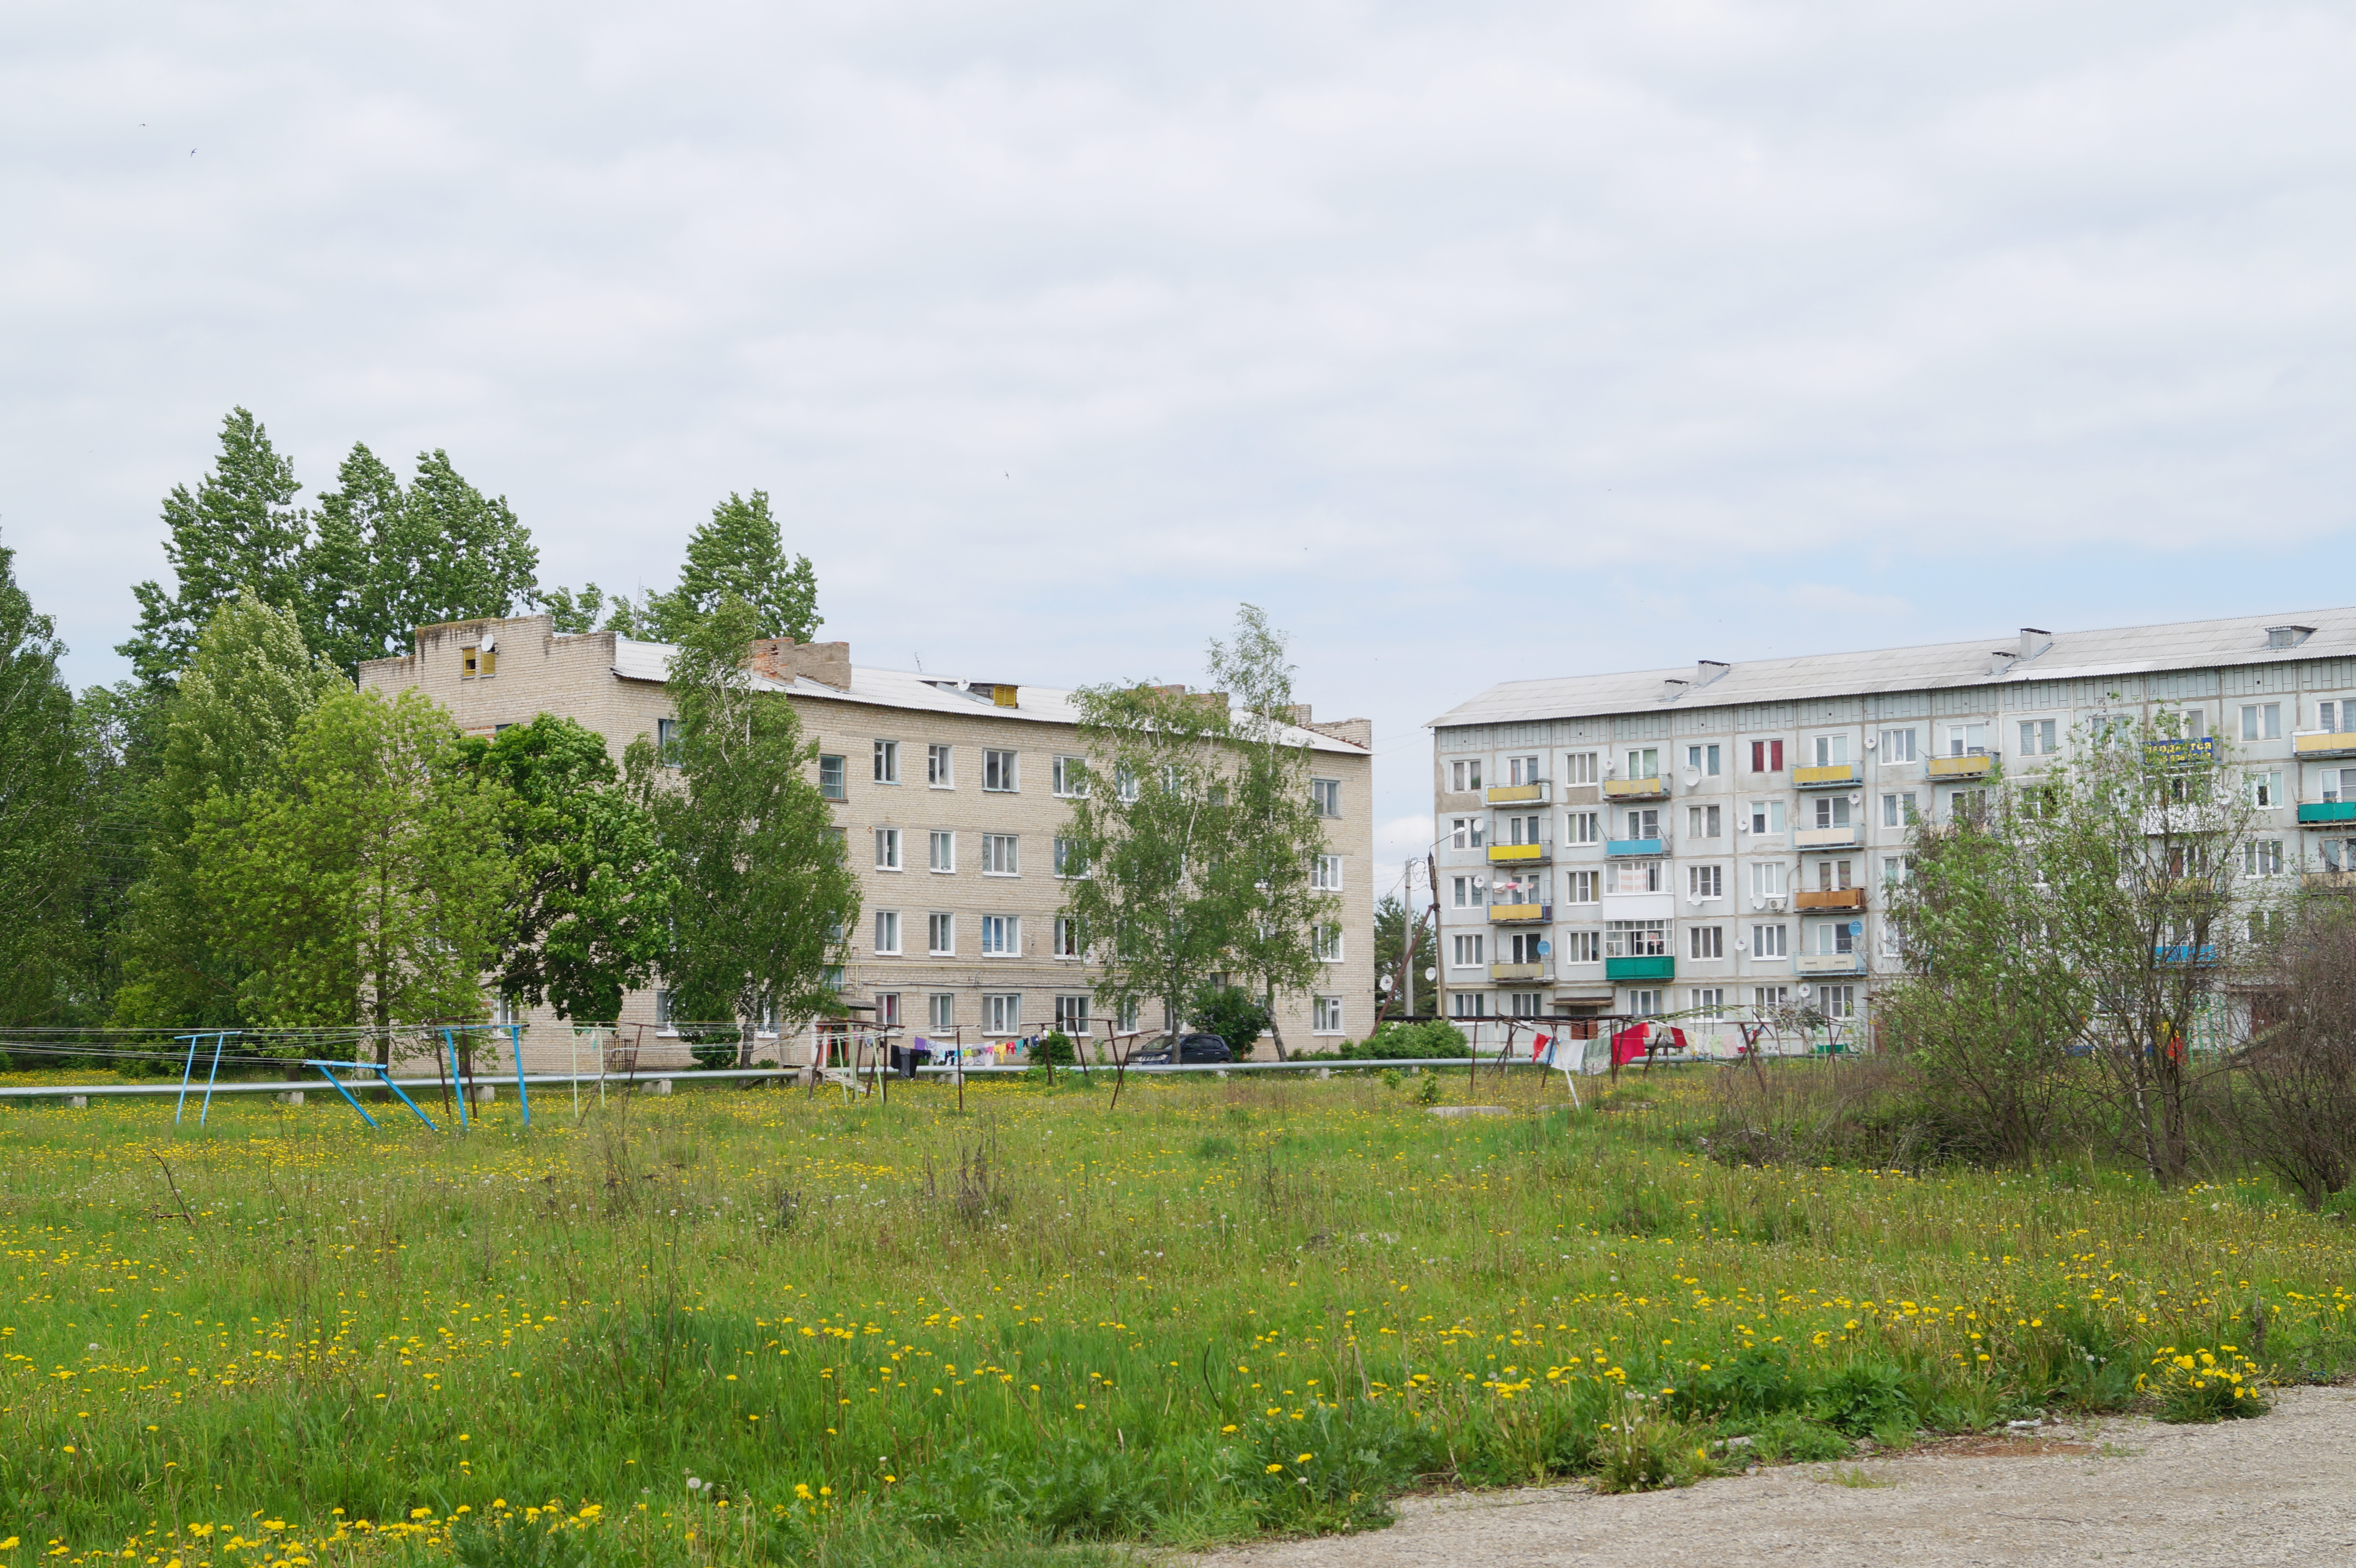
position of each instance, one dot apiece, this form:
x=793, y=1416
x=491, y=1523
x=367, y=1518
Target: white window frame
x=1582, y=887
x=941, y=1007
x=940, y=767
x=1705, y=942
x=1072, y=1014
x=1325, y=1015
x=1001, y=936
x=1585, y=946
x=1005, y=768
x=887, y=849
x=1705, y=882
x=940, y=850
x=1770, y=939
x=887, y=934
x=1001, y=854
x=2266, y=789
x=1001, y=1014
x=887, y=762
x=1325, y=874
x=940, y=934
x=1071, y=780
x=1706, y=1001
x=2262, y=722
x=1587, y=828
x=1580, y=768
x=1899, y=746
x=1766, y=818
x=1327, y=939
x=1464, y=775
x=1326, y=795
x=1067, y=938
x=1465, y=954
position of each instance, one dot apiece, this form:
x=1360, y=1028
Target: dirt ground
x=2279, y=1489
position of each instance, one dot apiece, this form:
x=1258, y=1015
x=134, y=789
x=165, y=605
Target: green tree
x=739, y=554
x=240, y=530
x=250, y=683
x=591, y=916
x=388, y=559
x=367, y=881
x=767, y=896
x=45, y=826
x=1412, y=993
x=1280, y=916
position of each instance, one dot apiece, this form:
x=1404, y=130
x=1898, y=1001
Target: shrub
x=1408, y=1042
x=1863, y=1397
x=1232, y=1013
x=1054, y=1046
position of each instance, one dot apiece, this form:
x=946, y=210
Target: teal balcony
x=2328, y=811
x=1661, y=969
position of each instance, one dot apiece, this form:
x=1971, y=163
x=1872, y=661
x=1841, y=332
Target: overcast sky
x=1475, y=341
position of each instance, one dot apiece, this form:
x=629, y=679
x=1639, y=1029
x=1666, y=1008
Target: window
x=1072, y=1015
x=1966, y=805
x=839, y=840
x=1582, y=887
x=1836, y=1001
x=1002, y=1012
x=1636, y=877
x=1469, y=891
x=1768, y=998
x=1125, y=1015
x=2262, y=722
x=887, y=762
x=1529, y=1003
x=1643, y=822
x=1522, y=770
x=663, y=1009
x=1767, y=879
x=999, y=855
x=1587, y=828
x=1635, y=939
x=1067, y=937
x=469, y=663
x=2266, y=927
x=1897, y=809
x=1467, y=953
x=1645, y=1004
x=1002, y=935
x=1468, y=1004
x=1523, y=829
x=1325, y=874
x=1071, y=777
x=1328, y=941
x=829, y=779
x=1325, y=1015
x=1834, y=936
x=1468, y=832
x=998, y=773
x=1705, y=822
x=1702, y=759
x=1706, y=1001
x=887, y=849
x=1832, y=751
x=1832, y=811
x=1766, y=756
x=1644, y=762
x=2038, y=737
x=2262, y=857
x=1583, y=948
x=1521, y=947
x=1767, y=817
x=2266, y=789
x=1071, y=859
x=1768, y=942
x=944, y=851
x=942, y=1006
x=1705, y=881
x=667, y=741
x=2337, y=784
x=1464, y=775
x=1893, y=940
x=1579, y=768
x=1832, y=876
x=936, y=768
x=1327, y=796
x=1705, y=941
x=1966, y=740
x=887, y=930
x=2327, y=714
x=940, y=935
x=1897, y=746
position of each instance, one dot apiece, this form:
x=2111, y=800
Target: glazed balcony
x=2341, y=743
x=1537, y=854
x=1658, y=968
x=1520, y=915
x=1831, y=964
x=1839, y=775
x=1974, y=766
x=1833, y=898
x=1653, y=788
x=1538, y=794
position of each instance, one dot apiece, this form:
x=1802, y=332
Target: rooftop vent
x=2288, y=636
x=1671, y=689
x=2000, y=660
x=2034, y=642
x=1707, y=670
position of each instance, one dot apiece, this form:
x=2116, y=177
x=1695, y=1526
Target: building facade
x=950, y=794
x=1711, y=842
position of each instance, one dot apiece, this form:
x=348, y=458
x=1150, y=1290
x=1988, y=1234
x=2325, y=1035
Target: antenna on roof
x=920, y=662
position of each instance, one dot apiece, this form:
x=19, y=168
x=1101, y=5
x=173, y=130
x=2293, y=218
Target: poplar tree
x=45, y=830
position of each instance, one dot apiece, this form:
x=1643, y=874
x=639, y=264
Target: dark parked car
x=1194, y=1050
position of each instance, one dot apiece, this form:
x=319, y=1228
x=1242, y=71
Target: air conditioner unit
x=1775, y=906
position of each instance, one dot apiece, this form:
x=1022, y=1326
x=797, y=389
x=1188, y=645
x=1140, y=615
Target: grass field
x=746, y=1326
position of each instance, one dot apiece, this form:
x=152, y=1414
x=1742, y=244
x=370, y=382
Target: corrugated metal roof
x=905, y=688
x=2125, y=650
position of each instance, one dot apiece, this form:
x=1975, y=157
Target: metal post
x=456, y=1082
x=523, y=1098
x=185, y=1074
x=346, y=1093
x=206, y=1109
x=384, y=1075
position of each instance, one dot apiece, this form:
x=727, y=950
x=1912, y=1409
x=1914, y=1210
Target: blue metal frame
x=206, y=1109
x=450, y=1042
x=523, y=1095
x=323, y=1068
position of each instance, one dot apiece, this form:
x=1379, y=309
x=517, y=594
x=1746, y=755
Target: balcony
x=1836, y=898
x=1975, y=766
x=1653, y=788
x=1662, y=967
x=2328, y=811
x=2340, y=744
x=1626, y=848
x=1839, y=775
x=2184, y=953
x=2328, y=882
x=1538, y=794
x=1537, y=854
x=1826, y=837
x=1540, y=971
x=1831, y=964
x=1520, y=915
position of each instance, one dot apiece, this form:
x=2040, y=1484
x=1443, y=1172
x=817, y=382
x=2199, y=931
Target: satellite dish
x=1384, y=984
x=1431, y=974
x=1693, y=777
x=1738, y=944
x=1857, y=928
x=1857, y=798
x=1545, y=948
x=1871, y=742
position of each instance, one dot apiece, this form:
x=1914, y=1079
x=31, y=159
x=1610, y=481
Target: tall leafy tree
x=1411, y=995
x=767, y=896
x=739, y=554
x=250, y=683
x=45, y=827
x=240, y=529
x=591, y=916
x=367, y=881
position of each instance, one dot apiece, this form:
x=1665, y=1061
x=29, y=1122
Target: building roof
x=2124, y=650
x=904, y=689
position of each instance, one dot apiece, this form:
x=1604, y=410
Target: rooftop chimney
x=1671, y=689
x=2033, y=643
x=2000, y=660
x=781, y=658
x=1707, y=670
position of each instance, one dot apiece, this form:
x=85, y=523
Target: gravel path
x=2279, y=1489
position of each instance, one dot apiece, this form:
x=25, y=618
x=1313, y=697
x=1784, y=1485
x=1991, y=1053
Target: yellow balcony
x=1839, y=775
x=2328, y=882
x=2342, y=744
x=1520, y=915
x=1518, y=795
x=1541, y=970
x=1521, y=854
x=1961, y=767
x=1653, y=788
x=1836, y=898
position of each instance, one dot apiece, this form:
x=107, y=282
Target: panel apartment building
x=950, y=794
x=1711, y=841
